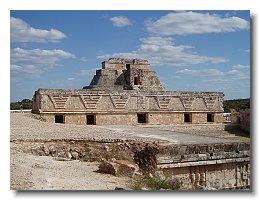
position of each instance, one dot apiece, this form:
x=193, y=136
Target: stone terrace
x=24, y=127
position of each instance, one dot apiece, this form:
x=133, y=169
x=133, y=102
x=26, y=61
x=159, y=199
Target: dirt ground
x=30, y=172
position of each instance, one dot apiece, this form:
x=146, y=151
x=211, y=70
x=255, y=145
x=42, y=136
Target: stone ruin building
x=125, y=91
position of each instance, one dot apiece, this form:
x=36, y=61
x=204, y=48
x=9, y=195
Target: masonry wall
x=218, y=117
x=242, y=118
x=131, y=118
x=199, y=118
x=218, y=166
x=75, y=119
x=160, y=107
x=165, y=119
x=245, y=120
x=49, y=117
x=218, y=176
x=116, y=119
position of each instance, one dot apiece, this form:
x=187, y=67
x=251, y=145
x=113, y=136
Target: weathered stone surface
x=46, y=150
x=52, y=149
x=75, y=155
x=119, y=168
x=126, y=168
x=241, y=117
x=108, y=167
x=146, y=158
x=38, y=151
x=65, y=154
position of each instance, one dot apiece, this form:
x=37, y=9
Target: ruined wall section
x=36, y=106
x=216, y=166
x=241, y=117
x=142, y=79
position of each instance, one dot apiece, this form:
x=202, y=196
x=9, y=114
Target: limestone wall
x=245, y=120
x=242, y=118
x=48, y=117
x=75, y=118
x=168, y=118
x=85, y=100
x=116, y=119
x=217, y=176
x=128, y=118
x=218, y=117
x=216, y=166
x=199, y=118
x=123, y=107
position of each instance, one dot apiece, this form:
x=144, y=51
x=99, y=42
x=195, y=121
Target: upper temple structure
x=125, y=91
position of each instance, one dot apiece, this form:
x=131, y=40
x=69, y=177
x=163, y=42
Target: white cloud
x=240, y=67
x=32, y=63
x=39, y=56
x=161, y=51
x=201, y=72
x=120, y=21
x=25, y=71
x=183, y=23
x=87, y=72
x=71, y=79
x=83, y=59
x=23, y=32
x=237, y=74
x=234, y=74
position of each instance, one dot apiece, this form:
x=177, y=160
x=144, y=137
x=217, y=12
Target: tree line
x=26, y=103
x=237, y=104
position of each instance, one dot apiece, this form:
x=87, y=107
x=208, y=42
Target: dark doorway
x=142, y=118
x=210, y=117
x=137, y=81
x=238, y=120
x=91, y=119
x=187, y=117
x=59, y=119
x=127, y=66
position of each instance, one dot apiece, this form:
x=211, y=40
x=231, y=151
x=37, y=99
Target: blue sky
x=189, y=50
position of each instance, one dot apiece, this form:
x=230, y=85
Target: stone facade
x=126, y=92
x=241, y=117
x=216, y=166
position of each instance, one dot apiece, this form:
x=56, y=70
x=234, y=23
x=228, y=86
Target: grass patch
x=154, y=184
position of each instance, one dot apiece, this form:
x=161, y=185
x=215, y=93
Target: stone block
x=119, y=168
x=108, y=167
x=126, y=168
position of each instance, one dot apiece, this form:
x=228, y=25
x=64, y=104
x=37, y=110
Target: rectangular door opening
x=210, y=117
x=142, y=118
x=187, y=117
x=137, y=80
x=91, y=120
x=59, y=119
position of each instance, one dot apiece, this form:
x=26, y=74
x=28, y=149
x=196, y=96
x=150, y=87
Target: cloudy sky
x=189, y=50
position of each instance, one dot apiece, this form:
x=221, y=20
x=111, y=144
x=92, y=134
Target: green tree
x=26, y=103
x=238, y=104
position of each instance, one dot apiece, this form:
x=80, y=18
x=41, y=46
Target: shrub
x=154, y=184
